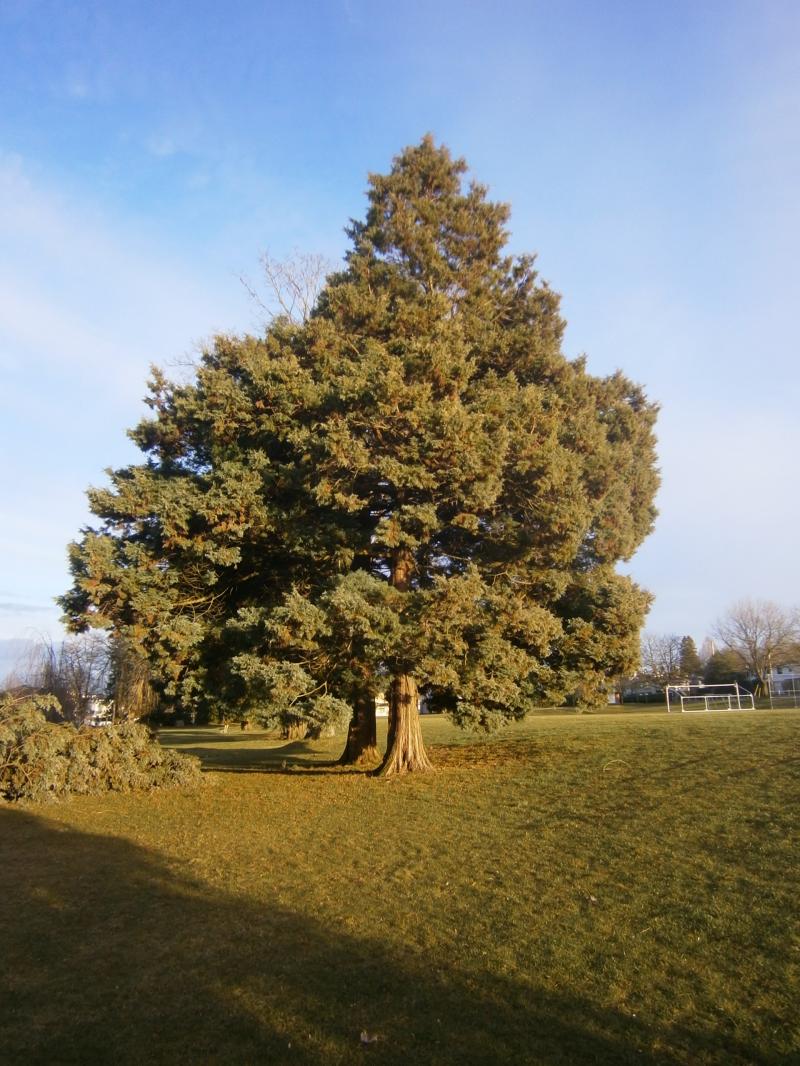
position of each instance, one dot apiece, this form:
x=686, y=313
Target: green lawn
x=583, y=889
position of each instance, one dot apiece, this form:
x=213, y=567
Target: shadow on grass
x=249, y=753
x=114, y=955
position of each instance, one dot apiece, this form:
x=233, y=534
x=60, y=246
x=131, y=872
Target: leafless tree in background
x=661, y=657
x=762, y=633
x=86, y=668
x=75, y=671
x=132, y=691
x=293, y=285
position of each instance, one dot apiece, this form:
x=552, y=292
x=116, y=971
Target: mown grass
x=605, y=889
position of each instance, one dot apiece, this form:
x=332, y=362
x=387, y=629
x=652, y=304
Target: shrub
x=41, y=760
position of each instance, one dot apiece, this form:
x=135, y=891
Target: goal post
x=692, y=698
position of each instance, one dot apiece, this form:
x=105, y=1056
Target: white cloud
x=89, y=295
x=728, y=515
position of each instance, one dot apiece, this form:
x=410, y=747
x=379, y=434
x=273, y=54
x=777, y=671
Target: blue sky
x=650, y=151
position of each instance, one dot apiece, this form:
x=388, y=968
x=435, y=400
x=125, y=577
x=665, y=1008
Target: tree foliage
x=689, y=659
x=42, y=760
x=725, y=667
x=411, y=487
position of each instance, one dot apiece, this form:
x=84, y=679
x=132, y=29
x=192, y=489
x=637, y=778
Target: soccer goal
x=731, y=697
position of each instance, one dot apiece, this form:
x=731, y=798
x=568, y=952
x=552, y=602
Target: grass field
x=618, y=888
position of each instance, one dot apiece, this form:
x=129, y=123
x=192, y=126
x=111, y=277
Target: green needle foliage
x=414, y=488
x=690, y=660
x=42, y=760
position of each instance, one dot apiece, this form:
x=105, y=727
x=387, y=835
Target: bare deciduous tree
x=661, y=657
x=131, y=685
x=75, y=672
x=293, y=285
x=761, y=632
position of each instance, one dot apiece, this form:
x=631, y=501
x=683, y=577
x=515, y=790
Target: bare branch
x=292, y=285
x=661, y=657
x=761, y=632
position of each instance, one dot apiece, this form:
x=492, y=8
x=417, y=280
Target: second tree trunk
x=361, y=747
x=405, y=750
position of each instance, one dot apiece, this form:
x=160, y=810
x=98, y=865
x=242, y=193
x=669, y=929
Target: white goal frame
x=734, y=698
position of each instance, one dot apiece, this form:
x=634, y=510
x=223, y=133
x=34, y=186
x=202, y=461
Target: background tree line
x=755, y=637
x=85, y=673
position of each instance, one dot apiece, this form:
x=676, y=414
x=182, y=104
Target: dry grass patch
x=582, y=889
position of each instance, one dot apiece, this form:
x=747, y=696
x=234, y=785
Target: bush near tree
x=44, y=760
x=413, y=487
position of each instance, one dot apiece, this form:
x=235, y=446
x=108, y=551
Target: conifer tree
x=494, y=483
x=690, y=660
x=414, y=488
x=217, y=518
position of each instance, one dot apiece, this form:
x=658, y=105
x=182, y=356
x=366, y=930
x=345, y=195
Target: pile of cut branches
x=42, y=760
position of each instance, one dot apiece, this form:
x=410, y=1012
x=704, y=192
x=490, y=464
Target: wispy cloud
x=86, y=304
x=83, y=294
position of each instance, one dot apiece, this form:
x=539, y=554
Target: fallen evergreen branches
x=41, y=760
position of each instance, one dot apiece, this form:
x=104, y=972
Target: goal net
x=730, y=697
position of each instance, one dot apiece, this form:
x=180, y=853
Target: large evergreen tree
x=413, y=488
x=219, y=517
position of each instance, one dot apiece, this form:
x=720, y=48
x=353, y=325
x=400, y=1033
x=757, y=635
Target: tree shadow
x=115, y=954
x=250, y=753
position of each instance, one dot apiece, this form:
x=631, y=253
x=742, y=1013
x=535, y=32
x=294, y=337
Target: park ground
x=615, y=888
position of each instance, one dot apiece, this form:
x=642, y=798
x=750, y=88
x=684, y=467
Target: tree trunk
x=405, y=750
x=361, y=746
x=295, y=729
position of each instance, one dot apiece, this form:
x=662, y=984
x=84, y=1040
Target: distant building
x=382, y=705
x=784, y=680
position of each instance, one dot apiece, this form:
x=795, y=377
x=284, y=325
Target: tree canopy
x=413, y=487
x=661, y=658
x=725, y=667
x=690, y=660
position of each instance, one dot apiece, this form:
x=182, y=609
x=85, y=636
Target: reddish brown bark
x=361, y=747
x=295, y=729
x=405, y=750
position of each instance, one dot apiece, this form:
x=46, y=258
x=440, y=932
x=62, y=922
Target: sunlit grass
x=612, y=888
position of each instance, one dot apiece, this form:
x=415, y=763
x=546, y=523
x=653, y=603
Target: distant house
x=382, y=705
x=784, y=680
